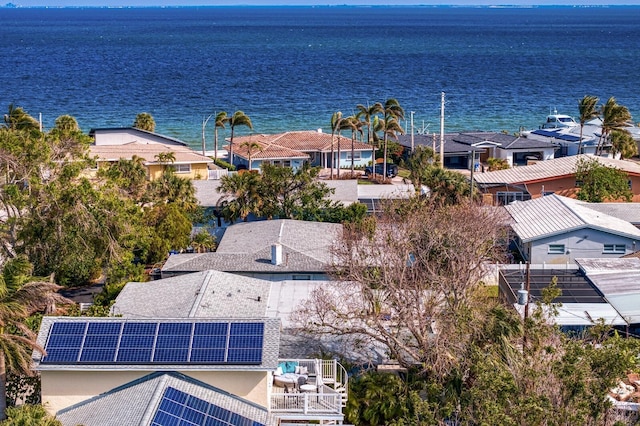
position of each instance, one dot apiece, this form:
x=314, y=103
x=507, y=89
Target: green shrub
x=221, y=163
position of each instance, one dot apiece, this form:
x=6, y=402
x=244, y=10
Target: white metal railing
x=324, y=401
x=331, y=381
x=218, y=174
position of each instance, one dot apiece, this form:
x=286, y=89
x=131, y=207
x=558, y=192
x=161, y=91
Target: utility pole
x=204, y=124
x=412, y=141
x=442, y=132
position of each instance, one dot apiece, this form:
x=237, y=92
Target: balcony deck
x=322, y=398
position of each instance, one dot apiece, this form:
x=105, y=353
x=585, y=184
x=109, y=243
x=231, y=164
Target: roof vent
x=276, y=254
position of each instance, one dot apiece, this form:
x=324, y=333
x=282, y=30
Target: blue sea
x=290, y=68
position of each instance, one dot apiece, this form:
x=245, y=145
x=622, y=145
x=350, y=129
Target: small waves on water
x=290, y=68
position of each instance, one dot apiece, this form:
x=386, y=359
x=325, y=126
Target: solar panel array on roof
x=178, y=408
x=133, y=342
x=575, y=287
x=561, y=136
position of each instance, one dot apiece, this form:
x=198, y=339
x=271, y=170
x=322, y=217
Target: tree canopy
x=284, y=193
x=599, y=183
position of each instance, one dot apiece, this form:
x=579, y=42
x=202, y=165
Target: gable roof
x=94, y=344
x=138, y=402
x=293, y=144
x=207, y=294
x=148, y=152
x=129, y=135
x=246, y=247
x=550, y=169
x=552, y=215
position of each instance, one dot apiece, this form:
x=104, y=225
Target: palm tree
x=622, y=143
x=242, y=196
x=336, y=124
x=67, y=124
x=587, y=108
x=614, y=117
x=19, y=299
x=238, y=118
x=18, y=119
x=251, y=146
x=352, y=123
x=393, y=112
x=144, y=121
x=165, y=158
x=203, y=241
x=366, y=113
x=221, y=120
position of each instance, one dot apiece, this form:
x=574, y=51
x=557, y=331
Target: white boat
x=559, y=121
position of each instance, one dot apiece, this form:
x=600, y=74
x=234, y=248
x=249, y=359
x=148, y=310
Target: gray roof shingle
x=246, y=247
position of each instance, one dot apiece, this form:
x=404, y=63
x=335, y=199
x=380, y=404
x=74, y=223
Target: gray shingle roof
x=548, y=169
x=138, y=401
x=246, y=247
x=553, y=214
x=208, y=294
x=270, y=347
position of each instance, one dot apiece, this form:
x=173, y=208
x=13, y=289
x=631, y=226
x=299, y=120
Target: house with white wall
x=293, y=149
x=556, y=229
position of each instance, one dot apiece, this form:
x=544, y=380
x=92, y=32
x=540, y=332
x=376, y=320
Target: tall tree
x=19, y=298
x=352, y=123
x=366, y=113
x=18, y=119
x=145, y=121
x=243, y=195
x=251, y=147
x=614, y=117
x=393, y=113
x=588, y=110
x=221, y=120
x=238, y=118
x=407, y=285
x=336, y=126
x=623, y=143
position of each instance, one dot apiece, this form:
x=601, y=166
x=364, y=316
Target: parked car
x=392, y=170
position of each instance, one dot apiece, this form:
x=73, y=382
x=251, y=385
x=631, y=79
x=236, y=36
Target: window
x=282, y=163
x=614, y=249
x=505, y=198
x=357, y=155
x=301, y=277
x=556, y=249
x=181, y=168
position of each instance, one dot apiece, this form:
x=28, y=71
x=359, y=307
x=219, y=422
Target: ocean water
x=290, y=68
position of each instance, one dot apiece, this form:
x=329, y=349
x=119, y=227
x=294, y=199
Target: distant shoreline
x=390, y=6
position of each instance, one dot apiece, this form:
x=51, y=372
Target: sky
x=109, y=3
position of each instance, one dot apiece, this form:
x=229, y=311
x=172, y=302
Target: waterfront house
x=460, y=147
x=127, y=143
x=555, y=176
x=293, y=149
x=556, y=229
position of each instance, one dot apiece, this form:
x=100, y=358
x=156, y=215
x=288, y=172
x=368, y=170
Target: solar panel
x=147, y=342
x=179, y=408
